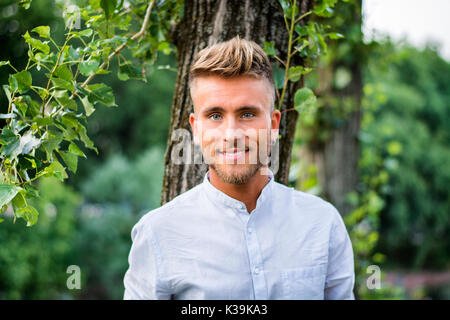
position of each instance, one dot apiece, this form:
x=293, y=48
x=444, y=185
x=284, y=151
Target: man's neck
x=247, y=192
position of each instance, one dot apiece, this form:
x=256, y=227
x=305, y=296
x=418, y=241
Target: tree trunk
x=205, y=23
x=336, y=158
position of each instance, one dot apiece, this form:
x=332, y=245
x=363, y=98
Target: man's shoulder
x=179, y=205
x=305, y=202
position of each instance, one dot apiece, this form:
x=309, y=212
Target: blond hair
x=233, y=58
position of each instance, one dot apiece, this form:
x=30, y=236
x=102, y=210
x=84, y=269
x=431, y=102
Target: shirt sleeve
x=142, y=280
x=340, y=277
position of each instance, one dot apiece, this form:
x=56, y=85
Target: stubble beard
x=234, y=177
x=228, y=174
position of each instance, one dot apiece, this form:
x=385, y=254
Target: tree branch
x=140, y=33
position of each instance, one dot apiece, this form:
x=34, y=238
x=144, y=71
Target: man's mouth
x=233, y=153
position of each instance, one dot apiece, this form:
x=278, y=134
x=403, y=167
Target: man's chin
x=235, y=173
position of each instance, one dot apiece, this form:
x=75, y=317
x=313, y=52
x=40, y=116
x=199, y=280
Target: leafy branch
x=44, y=127
x=306, y=40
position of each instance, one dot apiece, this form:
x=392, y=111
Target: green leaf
x=108, y=7
x=70, y=159
x=57, y=170
x=43, y=93
x=10, y=150
x=304, y=100
x=69, y=134
x=88, y=67
x=70, y=120
x=21, y=80
x=294, y=73
x=88, y=107
x=278, y=77
x=29, y=213
x=51, y=143
x=269, y=48
x=83, y=33
x=63, y=99
x=7, y=92
x=7, y=193
x=63, y=84
x=12, y=84
x=64, y=73
x=335, y=35
x=46, y=121
x=73, y=53
x=4, y=63
x=36, y=44
x=7, y=136
x=84, y=137
x=128, y=71
x=73, y=148
x=19, y=201
x=301, y=30
x=43, y=31
x=101, y=93
x=21, y=105
x=23, y=145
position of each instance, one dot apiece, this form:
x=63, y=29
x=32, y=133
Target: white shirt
x=205, y=245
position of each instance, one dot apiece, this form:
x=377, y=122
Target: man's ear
x=275, y=124
x=193, y=123
x=275, y=118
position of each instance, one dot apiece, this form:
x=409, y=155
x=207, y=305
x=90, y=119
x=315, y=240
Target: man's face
x=233, y=122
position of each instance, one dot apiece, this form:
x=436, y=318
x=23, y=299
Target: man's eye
x=214, y=116
x=248, y=115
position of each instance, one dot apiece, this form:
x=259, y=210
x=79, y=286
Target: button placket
x=255, y=259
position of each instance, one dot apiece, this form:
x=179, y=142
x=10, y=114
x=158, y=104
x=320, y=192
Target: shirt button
x=256, y=270
x=249, y=230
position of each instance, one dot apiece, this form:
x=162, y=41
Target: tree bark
x=205, y=23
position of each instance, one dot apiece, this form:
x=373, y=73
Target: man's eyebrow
x=238, y=110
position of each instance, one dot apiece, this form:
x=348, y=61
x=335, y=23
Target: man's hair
x=233, y=58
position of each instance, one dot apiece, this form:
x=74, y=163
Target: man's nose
x=232, y=129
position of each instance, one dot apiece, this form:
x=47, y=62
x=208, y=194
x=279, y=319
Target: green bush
x=34, y=260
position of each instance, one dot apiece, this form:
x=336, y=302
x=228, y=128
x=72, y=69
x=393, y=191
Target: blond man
x=239, y=234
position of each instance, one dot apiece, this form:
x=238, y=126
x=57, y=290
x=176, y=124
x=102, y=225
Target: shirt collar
x=217, y=196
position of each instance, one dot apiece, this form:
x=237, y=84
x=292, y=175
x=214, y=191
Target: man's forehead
x=230, y=94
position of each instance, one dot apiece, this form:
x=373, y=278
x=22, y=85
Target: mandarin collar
x=218, y=196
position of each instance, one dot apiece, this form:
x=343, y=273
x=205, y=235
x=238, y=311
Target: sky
x=418, y=21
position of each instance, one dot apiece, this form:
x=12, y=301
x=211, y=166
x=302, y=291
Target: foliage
x=95, y=235
x=112, y=208
x=44, y=122
x=411, y=135
x=122, y=182
x=35, y=260
x=306, y=43
x=336, y=99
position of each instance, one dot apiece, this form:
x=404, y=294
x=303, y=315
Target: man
x=239, y=234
